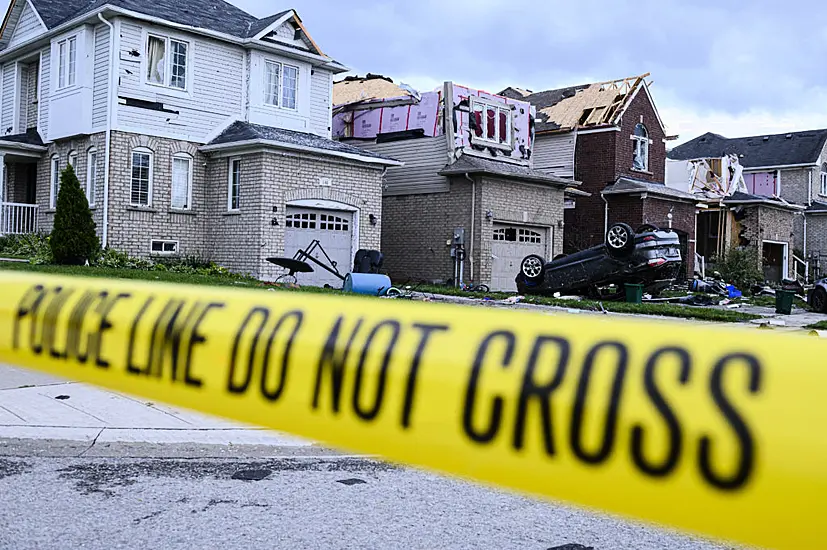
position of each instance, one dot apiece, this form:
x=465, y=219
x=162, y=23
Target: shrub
x=25, y=246
x=121, y=260
x=739, y=267
x=73, y=239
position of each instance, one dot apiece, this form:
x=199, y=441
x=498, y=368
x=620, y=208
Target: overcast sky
x=738, y=67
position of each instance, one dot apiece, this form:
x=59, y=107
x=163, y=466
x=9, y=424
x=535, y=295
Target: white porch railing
x=700, y=265
x=17, y=219
x=799, y=264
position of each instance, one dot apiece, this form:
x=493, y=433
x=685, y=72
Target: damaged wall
x=757, y=224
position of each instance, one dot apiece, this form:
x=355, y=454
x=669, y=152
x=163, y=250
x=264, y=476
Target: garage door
x=511, y=244
x=334, y=231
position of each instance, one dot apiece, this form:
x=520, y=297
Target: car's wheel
x=646, y=228
x=532, y=268
x=818, y=300
x=620, y=239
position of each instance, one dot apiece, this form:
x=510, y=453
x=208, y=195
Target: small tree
x=73, y=239
x=740, y=267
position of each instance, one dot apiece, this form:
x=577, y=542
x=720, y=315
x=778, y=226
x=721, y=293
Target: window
x=824, y=179
x=528, y=236
x=234, y=190
x=333, y=223
x=55, y=187
x=72, y=159
x=302, y=220
x=67, y=62
x=166, y=62
x=164, y=247
x=181, y=181
x=641, y=148
x=281, y=85
x=91, y=175
x=141, y=191
x=491, y=123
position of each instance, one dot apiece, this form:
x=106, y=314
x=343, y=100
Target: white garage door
x=511, y=244
x=334, y=231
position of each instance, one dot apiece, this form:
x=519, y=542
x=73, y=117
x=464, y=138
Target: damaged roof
x=629, y=186
x=215, y=15
x=355, y=89
x=30, y=137
x=741, y=198
x=756, y=151
x=582, y=106
x=471, y=164
x=242, y=133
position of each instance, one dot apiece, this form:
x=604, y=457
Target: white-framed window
x=181, y=181
x=529, y=236
x=55, y=181
x=234, y=185
x=163, y=248
x=640, y=157
x=824, y=179
x=67, y=55
x=281, y=85
x=72, y=159
x=166, y=61
x=91, y=174
x=141, y=188
x=491, y=122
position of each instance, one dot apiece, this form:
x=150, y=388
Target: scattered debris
x=351, y=481
x=251, y=475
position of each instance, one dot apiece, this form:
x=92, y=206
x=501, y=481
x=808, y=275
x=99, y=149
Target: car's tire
x=647, y=227
x=532, y=269
x=818, y=300
x=620, y=239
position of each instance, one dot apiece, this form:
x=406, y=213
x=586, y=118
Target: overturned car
x=649, y=256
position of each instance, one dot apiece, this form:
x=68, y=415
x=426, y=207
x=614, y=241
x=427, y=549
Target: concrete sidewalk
x=82, y=419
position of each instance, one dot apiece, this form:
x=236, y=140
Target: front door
x=333, y=229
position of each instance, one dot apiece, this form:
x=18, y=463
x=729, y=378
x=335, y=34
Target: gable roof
x=242, y=133
x=583, y=106
x=214, y=15
x=756, y=151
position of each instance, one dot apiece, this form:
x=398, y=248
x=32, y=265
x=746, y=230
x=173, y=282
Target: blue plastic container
x=372, y=284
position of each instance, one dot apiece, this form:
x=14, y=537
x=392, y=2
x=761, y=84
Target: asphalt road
x=290, y=503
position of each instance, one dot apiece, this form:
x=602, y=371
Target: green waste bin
x=784, y=302
x=634, y=293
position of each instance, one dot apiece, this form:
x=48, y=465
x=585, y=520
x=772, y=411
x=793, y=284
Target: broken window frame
x=501, y=135
x=640, y=152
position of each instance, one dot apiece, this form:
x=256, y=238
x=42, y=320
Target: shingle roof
x=740, y=197
x=755, y=151
x=817, y=208
x=244, y=131
x=624, y=186
x=31, y=137
x=215, y=15
x=470, y=164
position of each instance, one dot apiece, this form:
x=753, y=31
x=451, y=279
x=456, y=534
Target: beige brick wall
x=518, y=203
x=131, y=227
x=269, y=182
x=769, y=224
x=417, y=227
x=61, y=149
x=795, y=184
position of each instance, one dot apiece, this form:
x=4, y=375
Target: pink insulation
x=761, y=183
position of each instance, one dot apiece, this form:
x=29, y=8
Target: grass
x=821, y=325
x=663, y=310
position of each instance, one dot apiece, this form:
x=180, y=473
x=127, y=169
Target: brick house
x=467, y=205
x=786, y=173
x=610, y=137
x=196, y=129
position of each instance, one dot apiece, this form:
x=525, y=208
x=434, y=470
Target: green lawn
x=665, y=310
x=821, y=325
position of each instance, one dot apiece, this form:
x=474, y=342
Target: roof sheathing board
x=354, y=91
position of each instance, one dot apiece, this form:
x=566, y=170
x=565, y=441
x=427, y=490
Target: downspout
x=473, y=216
x=113, y=73
x=605, y=215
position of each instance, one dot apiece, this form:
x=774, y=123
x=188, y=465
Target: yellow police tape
x=719, y=431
